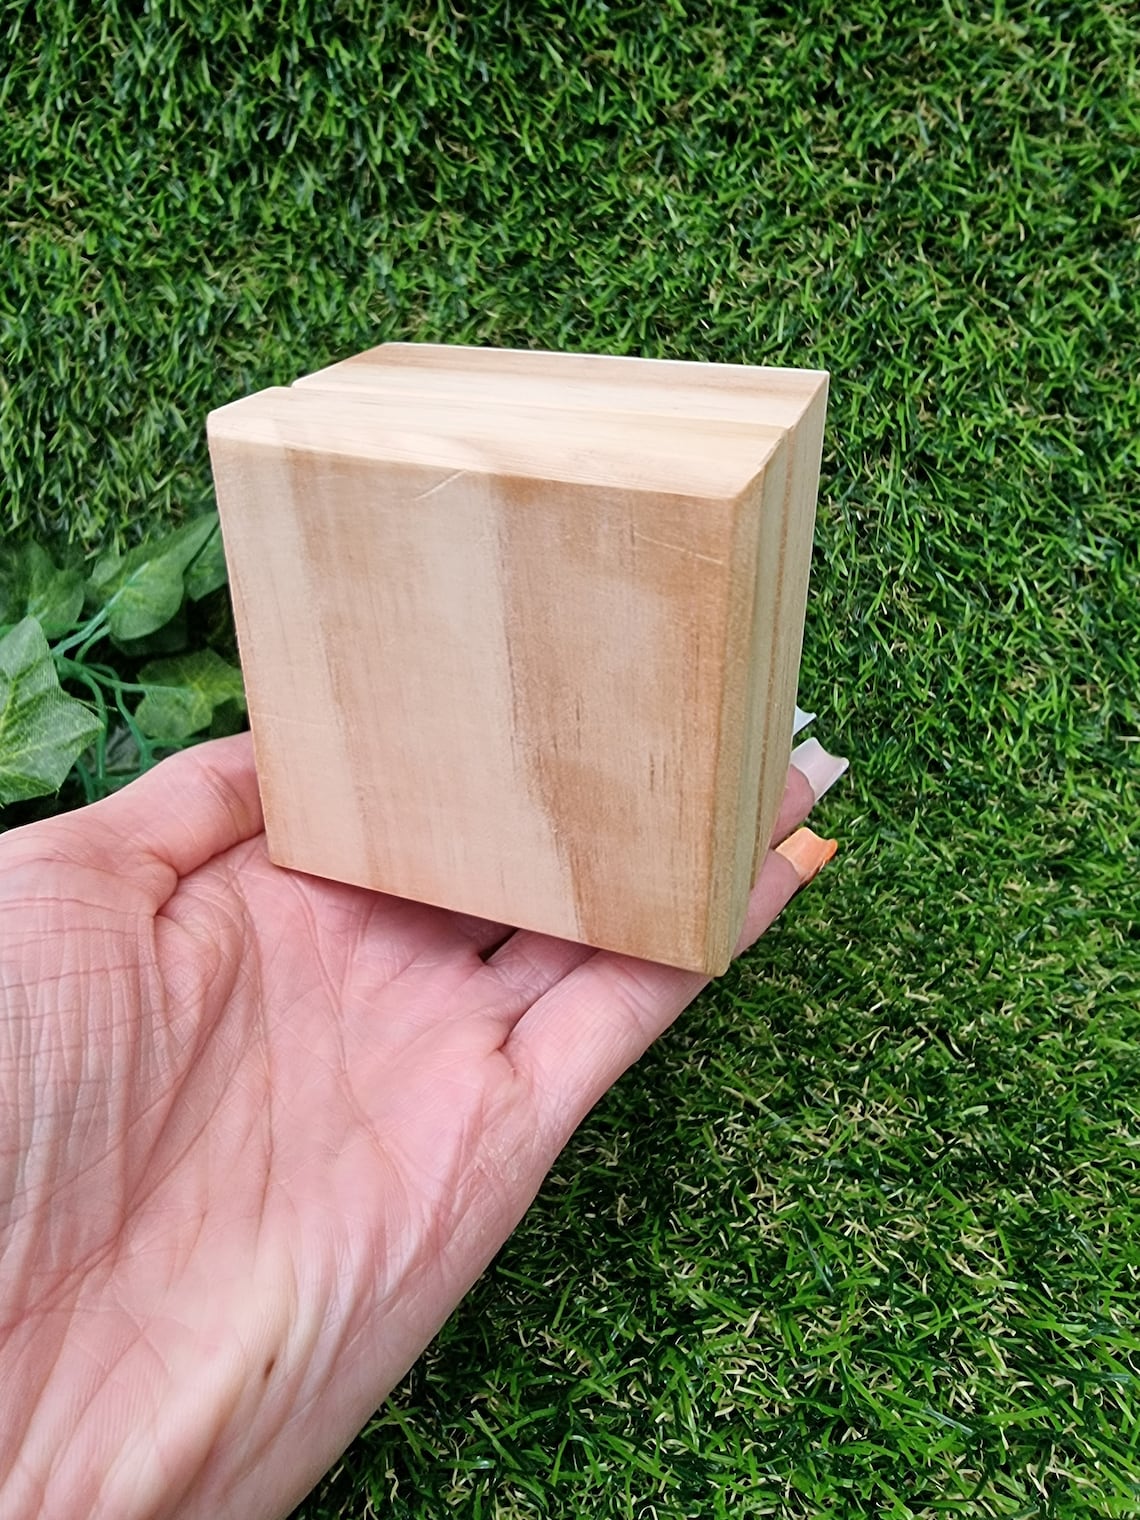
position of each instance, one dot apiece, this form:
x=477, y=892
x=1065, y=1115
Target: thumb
x=173, y=819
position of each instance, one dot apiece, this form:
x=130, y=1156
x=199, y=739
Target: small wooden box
x=521, y=631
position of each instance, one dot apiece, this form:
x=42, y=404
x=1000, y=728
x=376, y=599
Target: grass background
x=861, y=1236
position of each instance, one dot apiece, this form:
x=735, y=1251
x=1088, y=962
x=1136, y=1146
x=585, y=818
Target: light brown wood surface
x=521, y=632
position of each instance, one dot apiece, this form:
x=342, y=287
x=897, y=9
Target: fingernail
x=807, y=853
x=819, y=768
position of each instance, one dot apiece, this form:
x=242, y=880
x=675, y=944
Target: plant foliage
x=62, y=632
x=42, y=730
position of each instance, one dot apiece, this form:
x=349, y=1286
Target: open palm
x=260, y=1133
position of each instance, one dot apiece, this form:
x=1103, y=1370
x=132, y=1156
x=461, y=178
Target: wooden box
x=521, y=631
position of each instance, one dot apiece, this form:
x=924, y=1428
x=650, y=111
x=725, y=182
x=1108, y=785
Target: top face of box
x=666, y=427
x=663, y=456
x=596, y=382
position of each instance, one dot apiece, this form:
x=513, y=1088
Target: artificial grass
x=860, y=1237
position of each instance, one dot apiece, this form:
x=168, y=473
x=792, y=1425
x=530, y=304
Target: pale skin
x=259, y=1133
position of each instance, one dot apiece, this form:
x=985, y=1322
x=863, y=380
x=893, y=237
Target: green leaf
x=148, y=596
x=208, y=569
x=32, y=585
x=171, y=714
x=122, y=757
x=229, y=718
x=183, y=693
x=143, y=590
x=171, y=638
x=42, y=729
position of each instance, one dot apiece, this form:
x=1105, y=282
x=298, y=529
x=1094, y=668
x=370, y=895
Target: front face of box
x=500, y=695
x=520, y=631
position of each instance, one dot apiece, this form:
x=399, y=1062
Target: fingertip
x=795, y=805
x=807, y=853
x=787, y=868
x=813, y=772
x=820, y=768
x=776, y=885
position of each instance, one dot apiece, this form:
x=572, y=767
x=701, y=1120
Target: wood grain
x=520, y=632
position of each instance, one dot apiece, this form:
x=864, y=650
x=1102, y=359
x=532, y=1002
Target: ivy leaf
x=208, y=570
x=171, y=638
x=183, y=693
x=171, y=714
x=143, y=589
x=229, y=718
x=42, y=729
x=32, y=585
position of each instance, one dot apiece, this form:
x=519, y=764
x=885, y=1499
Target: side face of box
x=784, y=563
x=512, y=697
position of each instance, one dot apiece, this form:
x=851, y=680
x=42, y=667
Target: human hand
x=259, y=1134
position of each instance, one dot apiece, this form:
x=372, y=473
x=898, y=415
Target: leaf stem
x=144, y=746
x=90, y=790
x=89, y=633
x=78, y=672
x=108, y=677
